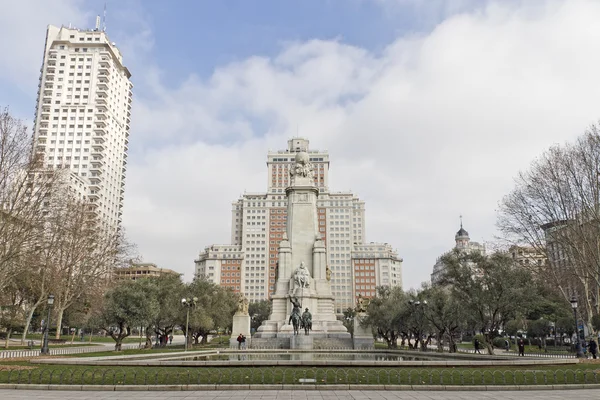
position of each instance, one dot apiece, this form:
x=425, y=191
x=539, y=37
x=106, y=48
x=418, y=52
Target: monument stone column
x=241, y=322
x=302, y=265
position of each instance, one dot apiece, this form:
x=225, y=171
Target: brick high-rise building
x=258, y=222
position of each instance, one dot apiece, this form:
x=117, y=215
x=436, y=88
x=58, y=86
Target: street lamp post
x=45, y=349
x=417, y=304
x=189, y=303
x=577, y=343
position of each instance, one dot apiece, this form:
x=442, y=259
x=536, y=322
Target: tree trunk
x=489, y=345
x=6, y=343
x=59, y=318
x=451, y=343
x=148, y=344
x=28, y=323
x=118, y=344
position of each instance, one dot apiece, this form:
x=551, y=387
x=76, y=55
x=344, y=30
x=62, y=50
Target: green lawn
x=46, y=374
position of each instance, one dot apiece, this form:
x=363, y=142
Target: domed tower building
x=463, y=244
x=462, y=238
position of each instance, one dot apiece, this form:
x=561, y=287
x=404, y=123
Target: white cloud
x=436, y=126
x=23, y=27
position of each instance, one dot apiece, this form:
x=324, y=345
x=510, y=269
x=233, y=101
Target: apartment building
x=141, y=270
x=258, y=222
x=83, y=115
x=373, y=265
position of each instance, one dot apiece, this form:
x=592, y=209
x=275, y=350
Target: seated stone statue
x=360, y=304
x=242, y=304
x=302, y=276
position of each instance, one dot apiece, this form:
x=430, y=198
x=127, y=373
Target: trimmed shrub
x=499, y=342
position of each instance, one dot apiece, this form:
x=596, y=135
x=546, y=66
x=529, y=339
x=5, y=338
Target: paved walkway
x=304, y=395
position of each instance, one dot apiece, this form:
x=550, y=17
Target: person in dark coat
x=477, y=346
x=521, y=345
x=593, y=348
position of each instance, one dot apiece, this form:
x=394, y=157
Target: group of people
x=520, y=346
x=591, y=347
x=241, y=339
x=163, y=340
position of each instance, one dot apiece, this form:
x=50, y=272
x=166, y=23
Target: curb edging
x=209, y=387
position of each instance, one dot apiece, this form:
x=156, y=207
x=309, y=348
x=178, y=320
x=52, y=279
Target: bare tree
x=79, y=250
x=25, y=186
x=555, y=209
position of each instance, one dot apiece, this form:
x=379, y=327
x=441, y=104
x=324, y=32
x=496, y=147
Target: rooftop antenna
x=104, y=19
x=460, y=221
x=97, y=27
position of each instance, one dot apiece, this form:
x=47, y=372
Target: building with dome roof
x=463, y=243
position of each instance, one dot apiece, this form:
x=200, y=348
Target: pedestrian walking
x=521, y=345
x=171, y=339
x=507, y=345
x=477, y=345
x=593, y=346
x=243, y=342
x=239, y=340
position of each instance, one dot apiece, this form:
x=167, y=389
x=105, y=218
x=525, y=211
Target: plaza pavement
x=304, y=395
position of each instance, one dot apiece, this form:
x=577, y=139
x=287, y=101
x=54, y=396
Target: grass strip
x=20, y=372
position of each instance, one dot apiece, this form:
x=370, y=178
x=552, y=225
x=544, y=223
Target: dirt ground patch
x=15, y=367
x=590, y=361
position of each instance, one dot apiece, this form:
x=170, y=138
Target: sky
x=428, y=109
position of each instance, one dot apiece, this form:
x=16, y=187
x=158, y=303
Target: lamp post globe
x=189, y=303
x=45, y=349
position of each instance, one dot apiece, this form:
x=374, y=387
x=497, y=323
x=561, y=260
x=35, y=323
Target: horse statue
x=295, y=318
x=306, y=321
x=296, y=321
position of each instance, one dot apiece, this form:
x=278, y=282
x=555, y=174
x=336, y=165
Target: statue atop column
x=303, y=166
x=361, y=307
x=242, y=304
x=302, y=276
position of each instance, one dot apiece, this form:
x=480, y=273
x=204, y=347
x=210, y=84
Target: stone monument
x=241, y=322
x=363, y=337
x=303, y=277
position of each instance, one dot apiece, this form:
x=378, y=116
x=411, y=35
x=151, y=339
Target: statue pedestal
x=363, y=337
x=241, y=324
x=301, y=342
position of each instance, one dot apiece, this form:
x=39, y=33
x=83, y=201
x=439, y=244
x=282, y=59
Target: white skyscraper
x=83, y=115
x=259, y=220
